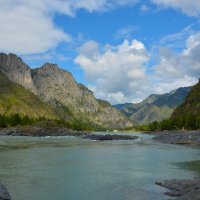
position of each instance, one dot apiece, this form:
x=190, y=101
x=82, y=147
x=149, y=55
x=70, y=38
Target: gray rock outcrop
x=182, y=189
x=178, y=137
x=4, y=194
x=16, y=71
x=58, y=87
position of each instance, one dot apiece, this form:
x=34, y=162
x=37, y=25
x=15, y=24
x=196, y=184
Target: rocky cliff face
x=16, y=71
x=16, y=99
x=56, y=85
x=58, y=88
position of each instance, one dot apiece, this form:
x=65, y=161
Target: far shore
x=59, y=130
x=182, y=137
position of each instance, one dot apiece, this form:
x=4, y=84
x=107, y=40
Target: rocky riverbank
x=182, y=189
x=40, y=131
x=4, y=194
x=59, y=130
x=178, y=137
x=109, y=137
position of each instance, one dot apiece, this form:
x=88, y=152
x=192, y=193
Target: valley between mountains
x=51, y=93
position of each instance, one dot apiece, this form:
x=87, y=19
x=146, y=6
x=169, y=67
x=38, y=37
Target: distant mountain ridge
x=155, y=107
x=185, y=117
x=57, y=88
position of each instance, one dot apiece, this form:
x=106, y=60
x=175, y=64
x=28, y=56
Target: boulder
x=4, y=194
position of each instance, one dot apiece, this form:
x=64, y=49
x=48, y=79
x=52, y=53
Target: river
x=68, y=168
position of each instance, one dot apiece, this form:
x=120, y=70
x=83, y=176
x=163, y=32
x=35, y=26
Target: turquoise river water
x=68, y=168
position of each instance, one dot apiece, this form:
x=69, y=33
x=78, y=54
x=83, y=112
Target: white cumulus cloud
x=183, y=69
x=28, y=27
x=185, y=63
x=118, y=72
x=122, y=74
x=189, y=7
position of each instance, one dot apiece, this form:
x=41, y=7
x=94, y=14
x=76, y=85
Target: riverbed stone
x=178, y=137
x=4, y=194
x=185, y=189
x=56, y=130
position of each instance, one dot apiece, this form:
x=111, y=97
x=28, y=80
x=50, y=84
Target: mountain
x=16, y=99
x=191, y=105
x=17, y=71
x=57, y=88
x=155, y=107
x=185, y=116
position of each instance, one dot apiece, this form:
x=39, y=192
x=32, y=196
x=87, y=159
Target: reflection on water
x=191, y=165
x=72, y=169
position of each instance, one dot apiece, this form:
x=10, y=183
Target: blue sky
x=123, y=50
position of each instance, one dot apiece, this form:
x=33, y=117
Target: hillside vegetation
x=155, y=107
x=16, y=99
x=185, y=116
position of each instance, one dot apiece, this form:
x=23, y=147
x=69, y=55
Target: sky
x=122, y=50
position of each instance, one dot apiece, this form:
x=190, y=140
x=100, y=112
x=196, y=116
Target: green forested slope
x=155, y=107
x=187, y=114
x=15, y=99
x=191, y=106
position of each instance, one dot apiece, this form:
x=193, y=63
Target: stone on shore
x=185, y=189
x=4, y=194
x=56, y=130
x=109, y=137
x=178, y=137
